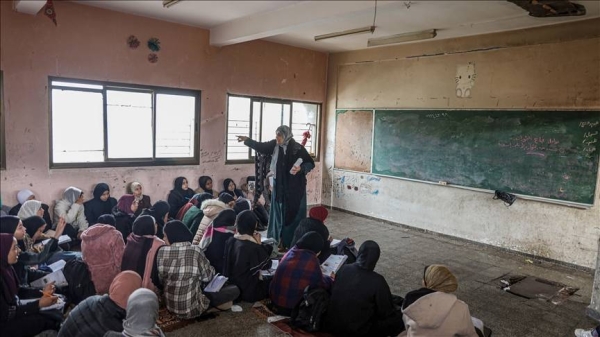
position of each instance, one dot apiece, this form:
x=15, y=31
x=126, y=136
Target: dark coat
x=123, y=222
x=243, y=262
x=314, y=225
x=177, y=199
x=215, y=252
x=93, y=317
x=94, y=208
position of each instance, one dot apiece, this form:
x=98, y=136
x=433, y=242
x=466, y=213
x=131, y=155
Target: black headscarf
x=158, y=211
x=10, y=280
x=202, y=181
x=178, y=197
x=368, y=255
x=311, y=241
x=178, y=183
x=313, y=225
x=32, y=224
x=96, y=207
x=202, y=197
x=176, y=231
x=225, y=197
x=144, y=225
x=236, y=192
x=242, y=204
x=225, y=218
x=9, y=224
x=246, y=222
x=107, y=219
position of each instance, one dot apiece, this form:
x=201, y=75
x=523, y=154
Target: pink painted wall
x=89, y=43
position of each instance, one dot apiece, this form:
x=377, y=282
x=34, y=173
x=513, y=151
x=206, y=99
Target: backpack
x=80, y=281
x=346, y=247
x=309, y=313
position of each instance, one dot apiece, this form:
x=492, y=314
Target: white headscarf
x=71, y=194
x=23, y=195
x=142, y=312
x=287, y=135
x=29, y=208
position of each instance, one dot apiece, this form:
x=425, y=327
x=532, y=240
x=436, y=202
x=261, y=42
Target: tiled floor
x=404, y=254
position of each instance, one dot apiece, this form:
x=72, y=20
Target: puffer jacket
x=74, y=214
x=211, y=208
x=93, y=318
x=102, y=249
x=436, y=314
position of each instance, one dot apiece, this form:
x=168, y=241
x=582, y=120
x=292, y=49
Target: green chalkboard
x=548, y=154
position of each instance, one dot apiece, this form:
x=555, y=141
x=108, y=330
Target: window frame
x=262, y=100
x=126, y=162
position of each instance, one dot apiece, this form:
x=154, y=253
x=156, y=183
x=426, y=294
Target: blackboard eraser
x=443, y=183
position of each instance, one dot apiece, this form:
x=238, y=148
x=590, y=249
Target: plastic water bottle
x=297, y=163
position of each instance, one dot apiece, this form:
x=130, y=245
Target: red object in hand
x=306, y=137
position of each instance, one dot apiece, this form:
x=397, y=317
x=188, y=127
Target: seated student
x=314, y=225
x=25, y=195
x=179, y=196
x=141, y=248
x=142, y=313
x=213, y=242
x=99, y=314
x=124, y=213
x=181, y=271
x=71, y=208
x=210, y=209
x=245, y=257
x=361, y=302
x=19, y=319
x=206, y=186
x=31, y=208
x=160, y=213
x=34, y=231
x=434, y=310
x=299, y=268
x=12, y=225
x=194, y=201
x=242, y=204
x=143, y=200
x=230, y=188
x=194, y=215
x=102, y=203
x=102, y=248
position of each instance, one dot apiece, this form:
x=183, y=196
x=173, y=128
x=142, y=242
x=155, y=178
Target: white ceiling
x=297, y=22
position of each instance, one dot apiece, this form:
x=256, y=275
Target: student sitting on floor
x=141, y=248
x=299, y=268
x=213, y=242
x=102, y=248
x=245, y=257
x=101, y=204
x=179, y=196
x=99, y=314
x=361, y=302
x=124, y=213
x=142, y=313
x=19, y=319
x=181, y=269
x=31, y=208
x=312, y=224
x=22, y=197
x=210, y=209
x=230, y=188
x=35, y=226
x=71, y=208
x=194, y=215
x=433, y=310
x=206, y=186
x=143, y=200
x=160, y=213
x=242, y=204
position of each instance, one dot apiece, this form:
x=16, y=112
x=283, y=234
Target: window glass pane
x=256, y=106
x=77, y=126
x=175, y=124
x=129, y=123
x=305, y=115
x=77, y=85
x=238, y=123
x=272, y=118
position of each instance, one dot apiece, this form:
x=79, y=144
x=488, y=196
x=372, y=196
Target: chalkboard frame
x=476, y=189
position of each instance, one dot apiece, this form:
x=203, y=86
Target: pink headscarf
x=125, y=283
x=125, y=202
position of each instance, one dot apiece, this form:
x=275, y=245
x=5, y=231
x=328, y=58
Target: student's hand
x=295, y=170
x=330, y=238
x=60, y=228
x=242, y=138
x=47, y=301
x=257, y=237
x=49, y=289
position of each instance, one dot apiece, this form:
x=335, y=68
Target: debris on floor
x=534, y=287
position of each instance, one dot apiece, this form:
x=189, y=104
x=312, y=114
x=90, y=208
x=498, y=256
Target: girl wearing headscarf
x=141, y=248
x=34, y=232
x=71, y=209
x=124, y=213
x=31, y=208
x=206, y=186
x=434, y=310
x=194, y=215
x=288, y=200
x=142, y=313
x=143, y=200
x=25, y=195
x=230, y=188
x=213, y=242
x=299, y=268
x=179, y=196
x=315, y=225
x=194, y=201
x=160, y=213
x=361, y=303
x=210, y=209
x=102, y=203
x=20, y=319
x=96, y=315
x=245, y=256
x=102, y=248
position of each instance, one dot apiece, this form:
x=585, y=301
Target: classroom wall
x=541, y=68
x=90, y=43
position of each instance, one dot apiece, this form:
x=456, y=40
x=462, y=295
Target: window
x=98, y=124
x=2, y=139
x=258, y=118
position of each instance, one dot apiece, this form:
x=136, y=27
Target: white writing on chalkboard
x=437, y=115
x=589, y=124
x=533, y=145
x=589, y=138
